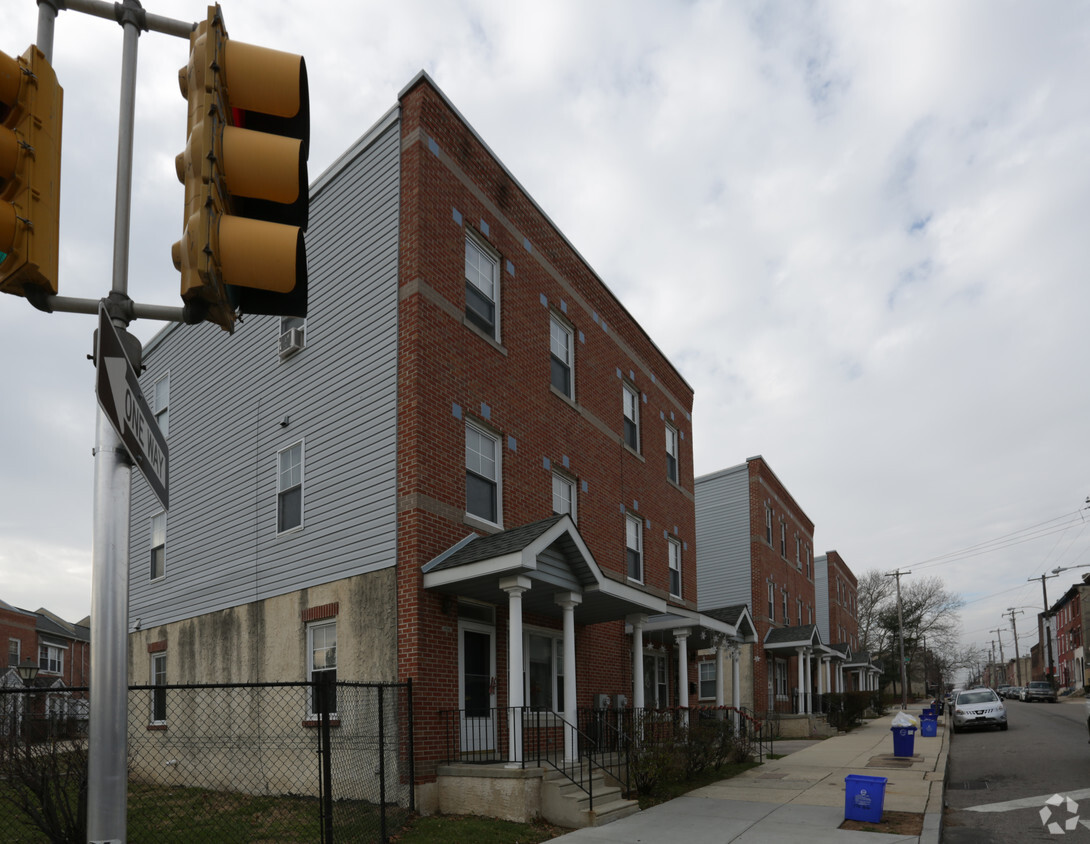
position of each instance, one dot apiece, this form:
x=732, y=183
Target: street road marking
x=1026, y=802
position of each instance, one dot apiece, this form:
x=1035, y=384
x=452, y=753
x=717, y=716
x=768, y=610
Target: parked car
x=1013, y=693
x=978, y=708
x=1002, y=689
x=950, y=697
x=1039, y=690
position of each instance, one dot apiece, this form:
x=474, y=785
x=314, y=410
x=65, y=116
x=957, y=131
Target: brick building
x=61, y=649
x=1068, y=618
x=837, y=594
x=469, y=466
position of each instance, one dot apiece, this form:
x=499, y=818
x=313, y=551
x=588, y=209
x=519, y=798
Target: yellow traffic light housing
x=30, y=175
x=245, y=174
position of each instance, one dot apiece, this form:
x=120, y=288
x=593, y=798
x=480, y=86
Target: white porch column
x=682, y=638
x=809, y=682
x=516, y=698
x=800, y=707
x=637, y=622
x=821, y=675
x=568, y=601
x=736, y=686
x=720, y=654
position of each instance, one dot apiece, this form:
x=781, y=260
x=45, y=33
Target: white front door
x=477, y=685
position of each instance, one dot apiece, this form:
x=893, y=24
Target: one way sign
x=122, y=401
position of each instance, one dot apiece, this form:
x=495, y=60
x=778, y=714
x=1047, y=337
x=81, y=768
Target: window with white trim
x=289, y=489
x=158, y=695
x=51, y=659
x=786, y=620
x=631, y=405
x=545, y=670
x=562, y=357
x=564, y=500
x=673, y=550
x=160, y=403
x=798, y=606
x=672, y=464
x=798, y=553
x=654, y=681
x=483, y=497
x=771, y=602
x=707, y=679
x=322, y=659
x=768, y=525
x=158, y=545
x=14, y=652
x=783, y=540
x=634, y=547
x=482, y=288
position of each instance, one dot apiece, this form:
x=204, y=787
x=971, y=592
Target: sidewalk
x=797, y=798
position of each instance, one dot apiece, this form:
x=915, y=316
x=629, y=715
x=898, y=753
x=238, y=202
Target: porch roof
x=789, y=638
x=553, y=555
x=704, y=628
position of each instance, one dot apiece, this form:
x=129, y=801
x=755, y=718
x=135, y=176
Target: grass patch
x=670, y=789
x=447, y=828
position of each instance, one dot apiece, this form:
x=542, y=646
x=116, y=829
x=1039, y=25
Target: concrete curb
x=933, y=814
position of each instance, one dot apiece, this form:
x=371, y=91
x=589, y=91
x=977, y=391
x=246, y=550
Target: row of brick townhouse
x=1066, y=620
x=469, y=466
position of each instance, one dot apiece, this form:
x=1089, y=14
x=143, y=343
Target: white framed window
x=51, y=659
x=798, y=605
x=768, y=525
x=707, y=679
x=158, y=695
x=160, y=403
x=289, y=489
x=544, y=670
x=631, y=406
x=562, y=356
x=482, y=289
x=634, y=547
x=483, y=494
x=673, y=550
x=771, y=602
x=654, y=681
x=808, y=572
x=783, y=540
x=14, y=652
x=786, y=619
x=322, y=659
x=672, y=464
x=798, y=553
x=780, y=671
x=564, y=500
x=158, y=545
x=292, y=335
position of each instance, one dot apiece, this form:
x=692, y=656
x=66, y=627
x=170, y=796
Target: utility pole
x=901, y=632
x=1002, y=659
x=1017, y=667
x=1044, y=629
x=991, y=662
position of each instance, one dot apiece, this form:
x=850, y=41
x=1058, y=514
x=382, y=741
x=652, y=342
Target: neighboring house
x=755, y=547
x=836, y=589
x=469, y=466
x=1068, y=617
x=61, y=649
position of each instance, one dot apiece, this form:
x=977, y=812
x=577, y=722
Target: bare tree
x=874, y=591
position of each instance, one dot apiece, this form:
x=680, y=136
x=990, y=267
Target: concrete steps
x=566, y=804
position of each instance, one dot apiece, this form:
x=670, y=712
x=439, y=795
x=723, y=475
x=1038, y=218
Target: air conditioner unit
x=291, y=341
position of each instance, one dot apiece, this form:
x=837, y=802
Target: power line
x=1009, y=540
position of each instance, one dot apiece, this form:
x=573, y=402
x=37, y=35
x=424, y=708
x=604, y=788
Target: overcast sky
x=859, y=230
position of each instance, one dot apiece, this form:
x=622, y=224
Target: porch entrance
x=477, y=685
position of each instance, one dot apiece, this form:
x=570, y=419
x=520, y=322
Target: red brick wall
x=443, y=363
x=15, y=625
x=842, y=613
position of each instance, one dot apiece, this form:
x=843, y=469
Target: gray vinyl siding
x=229, y=395
x=723, y=561
x=821, y=596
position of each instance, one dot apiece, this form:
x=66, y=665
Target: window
x=798, y=606
x=482, y=474
x=160, y=403
x=768, y=525
x=322, y=660
x=671, y=454
x=780, y=671
x=292, y=335
x=771, y=602
x=289, y=498
x=564, y=496
x=158, y=545
x=634, y=547
x=50, y=659
x=545, y=671
x=783, y=540
x=562, y=356
x=159, y=695
x=707, y=679
x=482, y=289
x=13, y=651
x=631, y=417
x=798, y=553
x=808, y=575
x=785, y=619
x=674, y=552
x=654, y=681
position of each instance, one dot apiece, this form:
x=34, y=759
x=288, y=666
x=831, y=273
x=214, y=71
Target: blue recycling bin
x=929, y=728
x=904, y=739
x=863, y=798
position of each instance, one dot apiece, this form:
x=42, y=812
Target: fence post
x=412, y=749
x=382, y=763
x=323, y=693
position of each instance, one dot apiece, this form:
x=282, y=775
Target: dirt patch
x=892, y=823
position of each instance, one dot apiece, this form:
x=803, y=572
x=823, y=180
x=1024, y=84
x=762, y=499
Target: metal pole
x=901, y=629
x=1045, y=630
x=107, y=745
x=47, y=14
x=1017, y=668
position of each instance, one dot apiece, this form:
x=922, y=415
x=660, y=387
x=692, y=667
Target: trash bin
x=904, y=739
x=863, y=798
x=929, y=728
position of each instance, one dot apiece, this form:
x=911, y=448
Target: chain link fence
x=217, y=763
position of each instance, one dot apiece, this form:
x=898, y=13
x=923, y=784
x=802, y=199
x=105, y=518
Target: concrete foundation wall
x=512, y=794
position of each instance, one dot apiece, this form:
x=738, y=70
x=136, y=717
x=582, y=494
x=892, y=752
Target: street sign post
x=123, y=402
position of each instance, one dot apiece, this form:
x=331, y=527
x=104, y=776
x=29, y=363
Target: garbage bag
x=904, y=719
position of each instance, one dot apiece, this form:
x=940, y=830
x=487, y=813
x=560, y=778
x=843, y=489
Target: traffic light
x=30, y=175
x=245, y=174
